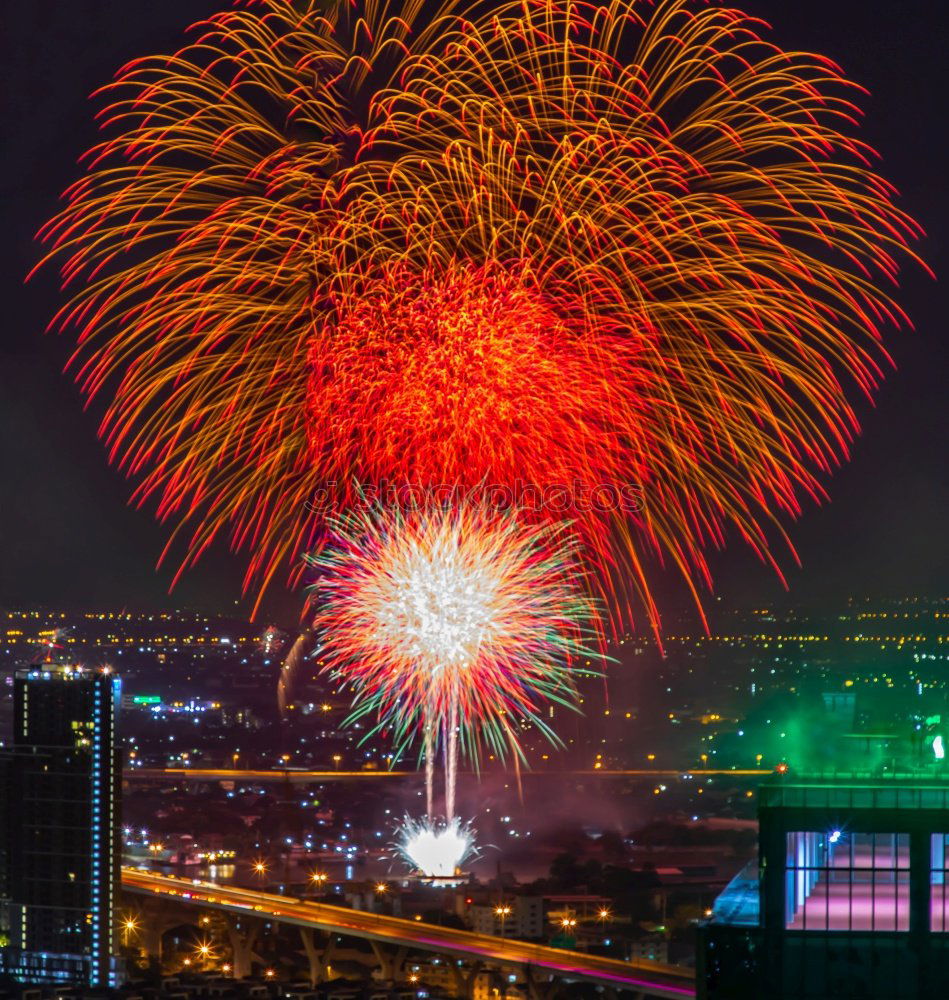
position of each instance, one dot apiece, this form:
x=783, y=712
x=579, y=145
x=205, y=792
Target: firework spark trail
x=451, y=752
x=554, y=242
x=428, y=750
x=453, y=624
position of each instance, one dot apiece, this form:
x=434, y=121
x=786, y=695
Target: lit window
x=939, y=871
x=838, y=880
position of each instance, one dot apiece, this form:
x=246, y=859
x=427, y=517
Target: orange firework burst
x=537, y=242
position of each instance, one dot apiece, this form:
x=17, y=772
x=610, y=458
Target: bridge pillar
x=242, y=933
x=154, y=920
x=390, y=962
x=465, y=981
x=498, y=982
x=319, y=954
x=152, y=934
x=539, y=987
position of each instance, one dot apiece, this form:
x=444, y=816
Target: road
x=651, y=978
x=307, y=777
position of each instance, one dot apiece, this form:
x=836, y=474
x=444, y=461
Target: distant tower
x=62, y=823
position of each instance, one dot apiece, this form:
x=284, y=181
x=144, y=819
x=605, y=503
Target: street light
x=129, y=926
x=336, y=759
x=318, y=879
x=381, y=887
x=603, y=915
x=503, y=911
x=203, y=952
x=260, y=867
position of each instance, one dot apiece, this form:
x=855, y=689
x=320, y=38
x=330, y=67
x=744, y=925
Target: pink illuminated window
x=839, y=880
x=938, y=874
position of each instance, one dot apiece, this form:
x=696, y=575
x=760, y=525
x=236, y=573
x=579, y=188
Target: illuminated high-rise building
x=62, y=826
x=848, y=898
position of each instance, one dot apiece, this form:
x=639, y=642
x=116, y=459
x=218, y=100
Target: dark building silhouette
x=848, y=898
x=61, y=826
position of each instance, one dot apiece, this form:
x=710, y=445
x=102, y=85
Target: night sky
x=68, y=538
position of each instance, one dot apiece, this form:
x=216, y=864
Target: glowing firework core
x=437, y=851
x=437, y=603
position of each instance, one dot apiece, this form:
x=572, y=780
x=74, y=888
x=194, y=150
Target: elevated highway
x=647, y=979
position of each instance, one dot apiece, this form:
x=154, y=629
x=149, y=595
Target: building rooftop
x=59, y=671
x=921, y=789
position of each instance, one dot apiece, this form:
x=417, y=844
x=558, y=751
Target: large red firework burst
x=536, y=242
x=466, y=376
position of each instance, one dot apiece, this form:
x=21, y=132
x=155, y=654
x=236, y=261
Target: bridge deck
x=650, y=978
